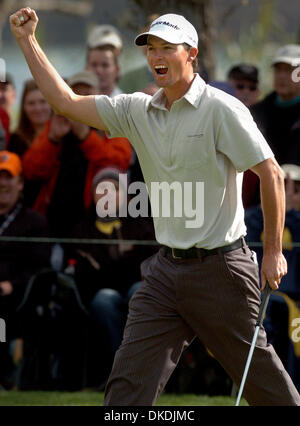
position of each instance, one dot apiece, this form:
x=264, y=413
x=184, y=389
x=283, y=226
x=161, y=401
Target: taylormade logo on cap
x=172, y=28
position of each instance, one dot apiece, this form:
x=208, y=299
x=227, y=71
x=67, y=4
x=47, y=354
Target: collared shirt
x=200, y=149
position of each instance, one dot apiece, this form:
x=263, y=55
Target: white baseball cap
x=289, y=54
x=172, y=28
x=293, y=170
x=104, y=35
x=85, y=77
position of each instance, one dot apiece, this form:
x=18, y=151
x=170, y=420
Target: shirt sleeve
x=114, y=113
x=240, y=139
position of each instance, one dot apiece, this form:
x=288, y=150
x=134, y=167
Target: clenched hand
x=23, y=23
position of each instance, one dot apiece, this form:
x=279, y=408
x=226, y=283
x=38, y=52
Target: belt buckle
x=173, y=254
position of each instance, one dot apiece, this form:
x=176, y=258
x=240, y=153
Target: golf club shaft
x=261, y=315
x=247, y=365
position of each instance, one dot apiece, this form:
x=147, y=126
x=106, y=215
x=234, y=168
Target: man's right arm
x=58, y=94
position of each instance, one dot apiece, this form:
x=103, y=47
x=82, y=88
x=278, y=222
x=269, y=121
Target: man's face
x=246, y=91
x=7, y=96
x=283, y=84
x=36, y=108
x=103, y=64
x=10, y=189
x=169, y=63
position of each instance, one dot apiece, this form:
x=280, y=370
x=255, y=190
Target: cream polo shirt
x=201, y=145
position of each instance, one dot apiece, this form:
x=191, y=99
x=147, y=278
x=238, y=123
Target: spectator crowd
x=65, y=302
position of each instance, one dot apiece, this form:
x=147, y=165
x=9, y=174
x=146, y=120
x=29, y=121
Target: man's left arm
x=274, y=265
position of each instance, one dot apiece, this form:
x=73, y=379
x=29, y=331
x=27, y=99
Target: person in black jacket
x=245, y=80
x=278, y=114
x=107, y=275
x=18, y=261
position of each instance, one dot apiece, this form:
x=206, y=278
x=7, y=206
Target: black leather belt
x=194, y=252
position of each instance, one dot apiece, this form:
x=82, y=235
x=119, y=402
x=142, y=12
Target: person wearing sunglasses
x=244, y=78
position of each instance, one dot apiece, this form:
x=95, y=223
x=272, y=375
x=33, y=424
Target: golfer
x=204, y=280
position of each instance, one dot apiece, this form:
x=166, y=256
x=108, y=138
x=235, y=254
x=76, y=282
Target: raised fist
x=23, y=23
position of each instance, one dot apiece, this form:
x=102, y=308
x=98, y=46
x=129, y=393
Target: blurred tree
x=256, y=44
x=200, y=12
x=71, y=7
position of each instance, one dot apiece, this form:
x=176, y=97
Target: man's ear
x=193, y=52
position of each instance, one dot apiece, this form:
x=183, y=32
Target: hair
x=195, y=61
x=244, y=72
x=24, y=128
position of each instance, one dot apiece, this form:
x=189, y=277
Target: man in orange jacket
x=62, y=161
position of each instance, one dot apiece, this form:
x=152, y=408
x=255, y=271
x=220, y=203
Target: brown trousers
x=216, y=298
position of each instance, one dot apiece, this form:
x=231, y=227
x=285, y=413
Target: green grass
x=38, y=398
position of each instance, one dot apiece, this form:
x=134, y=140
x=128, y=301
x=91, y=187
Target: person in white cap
x=277, y=114
x=203, y=282
x=105, y=35
x=104, y=46
x=8, y=94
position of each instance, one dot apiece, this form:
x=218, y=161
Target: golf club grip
x=264, y=304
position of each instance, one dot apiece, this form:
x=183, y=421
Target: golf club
x=261, y=315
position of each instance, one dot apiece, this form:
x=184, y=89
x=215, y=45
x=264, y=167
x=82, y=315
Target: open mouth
x=161, y=69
